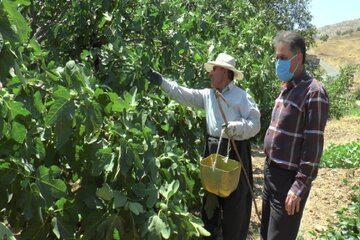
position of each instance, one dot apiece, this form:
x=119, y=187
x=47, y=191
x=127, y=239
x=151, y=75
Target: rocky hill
x=339, y=29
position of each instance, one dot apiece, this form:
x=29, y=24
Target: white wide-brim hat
x=226, y=61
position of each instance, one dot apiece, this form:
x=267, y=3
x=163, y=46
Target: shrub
x=338, y=33
x=341, y=156
x=338, y=88
x=349, y=31
x=324, y=37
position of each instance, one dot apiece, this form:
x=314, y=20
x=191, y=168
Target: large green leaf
x=37, y=230
x=39, y=148
x=62, y=98
x=77, y=78
x=91, y=220
x=105, y=192
x=119, y=199
x=27, y=201
x=64, y=124
x=17, y=108
x=135, y=207
x=118, y=104
x=7, y=172
x=150, y=192
x=1, y=42
x=169, y=190
x=38, y=103
x=104, y=162
x=63, y=228
x=159, y=227
x=18, y=22
x=106, y=228
x=198, y=225
x=130, y=98
x=51, y=187
x=19, y=25
x=18, y=132
x=7, y=61
x=17, y=73
x=5, y=198
x=93, y=121
x=5, y=232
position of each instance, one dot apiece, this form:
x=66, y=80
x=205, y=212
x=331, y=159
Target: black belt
x=212, y=138
x=270, y=162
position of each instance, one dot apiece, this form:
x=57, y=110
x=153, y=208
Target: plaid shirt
x=295, y=137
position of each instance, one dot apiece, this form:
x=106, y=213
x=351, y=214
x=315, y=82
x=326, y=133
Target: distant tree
x=324, y=37
x=349, y=31
x=358, y=29
x=338, y=33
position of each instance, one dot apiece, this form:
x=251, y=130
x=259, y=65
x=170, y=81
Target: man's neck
x=227, y=82
x=298, y=73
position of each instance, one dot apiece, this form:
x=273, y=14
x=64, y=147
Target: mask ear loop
x=297, y=64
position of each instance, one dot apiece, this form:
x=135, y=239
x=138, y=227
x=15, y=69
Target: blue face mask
x=282, y=68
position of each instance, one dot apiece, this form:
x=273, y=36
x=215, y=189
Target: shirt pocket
x=289, y=117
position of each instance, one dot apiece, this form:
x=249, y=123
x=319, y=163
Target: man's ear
x=300, y=57
x=226, y=71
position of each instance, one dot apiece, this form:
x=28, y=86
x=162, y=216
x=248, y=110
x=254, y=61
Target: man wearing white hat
x=229, y=215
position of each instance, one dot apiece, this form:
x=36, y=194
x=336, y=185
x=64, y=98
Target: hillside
x=339, y=28
x=339, y=51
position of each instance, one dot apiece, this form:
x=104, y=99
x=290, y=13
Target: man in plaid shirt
x=293, y=142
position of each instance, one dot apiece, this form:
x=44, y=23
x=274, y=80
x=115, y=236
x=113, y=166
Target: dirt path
x=331, y=189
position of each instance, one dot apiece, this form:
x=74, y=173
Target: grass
x=354, y=111
x=348, y=224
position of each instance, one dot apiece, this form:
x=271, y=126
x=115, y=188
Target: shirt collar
x=228, y=87
x=295, y=82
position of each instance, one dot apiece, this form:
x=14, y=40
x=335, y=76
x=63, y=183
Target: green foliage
x=5, y=233
x=348, y=32
x=338, y=89
x=324, y=37
x=348, y=225
x=341, y=156
x=354, y=111
x=88, y=149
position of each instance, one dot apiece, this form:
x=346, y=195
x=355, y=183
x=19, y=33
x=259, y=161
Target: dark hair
x=230, y=75
x=295, y=41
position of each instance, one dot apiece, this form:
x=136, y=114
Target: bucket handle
x=213, y=163
x=219, y=95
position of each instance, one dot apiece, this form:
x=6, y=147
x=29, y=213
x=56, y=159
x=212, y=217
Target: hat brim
x=210, y=65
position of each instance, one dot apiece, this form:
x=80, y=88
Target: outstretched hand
x=154, y=77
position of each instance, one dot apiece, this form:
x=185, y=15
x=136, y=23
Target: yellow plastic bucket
x=221, y=179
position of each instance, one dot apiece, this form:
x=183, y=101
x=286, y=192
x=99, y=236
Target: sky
x=327, y=12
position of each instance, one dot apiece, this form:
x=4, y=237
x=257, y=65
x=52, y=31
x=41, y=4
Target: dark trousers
x=276, y=224
x=230, y=215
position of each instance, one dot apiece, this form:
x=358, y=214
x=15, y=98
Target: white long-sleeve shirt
x=240, y=108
